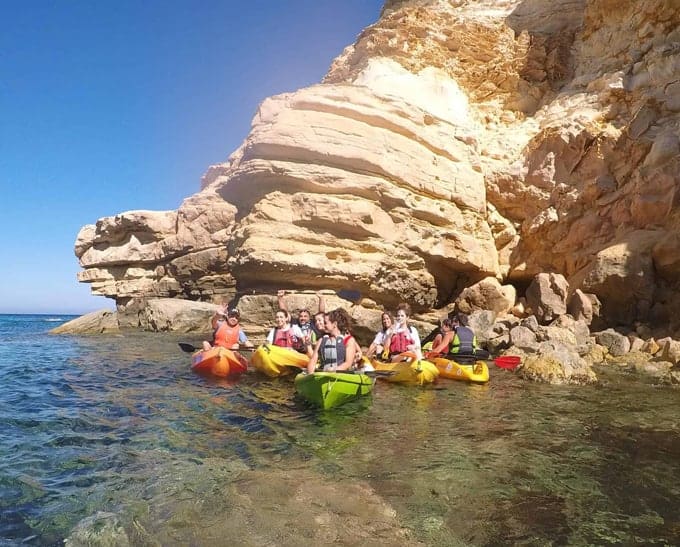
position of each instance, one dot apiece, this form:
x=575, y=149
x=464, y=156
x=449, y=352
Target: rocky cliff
x=455, y=140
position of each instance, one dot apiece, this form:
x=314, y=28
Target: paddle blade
x=508, y=362
x=378, y=373
x=188, y=348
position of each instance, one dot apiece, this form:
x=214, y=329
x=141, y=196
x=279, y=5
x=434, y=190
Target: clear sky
x=108, y=106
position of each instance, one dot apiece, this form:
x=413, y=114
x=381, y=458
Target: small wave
x=53, y=319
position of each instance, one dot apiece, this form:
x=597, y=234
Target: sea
x=112, y=440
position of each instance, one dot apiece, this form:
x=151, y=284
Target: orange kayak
x=219, y=362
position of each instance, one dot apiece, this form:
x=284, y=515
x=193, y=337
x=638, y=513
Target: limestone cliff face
x=455, y=140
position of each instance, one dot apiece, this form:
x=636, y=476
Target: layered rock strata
x=452, y=142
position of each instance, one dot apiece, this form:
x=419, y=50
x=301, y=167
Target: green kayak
x=329, y=389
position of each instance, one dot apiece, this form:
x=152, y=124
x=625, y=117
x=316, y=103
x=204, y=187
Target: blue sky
x=109, y=106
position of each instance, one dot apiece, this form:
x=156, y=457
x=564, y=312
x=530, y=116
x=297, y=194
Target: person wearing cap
x=227, y=331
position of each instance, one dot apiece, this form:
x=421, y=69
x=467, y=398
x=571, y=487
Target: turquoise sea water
x=114, y=436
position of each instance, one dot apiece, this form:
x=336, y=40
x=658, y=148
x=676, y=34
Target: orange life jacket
x=226, y=336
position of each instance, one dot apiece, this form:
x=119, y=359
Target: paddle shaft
x=190, y=348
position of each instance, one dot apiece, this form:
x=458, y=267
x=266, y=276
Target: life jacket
x=286, y=339
x=333, y=351
x=401, y=340
x=464, y=341
x=226, y=335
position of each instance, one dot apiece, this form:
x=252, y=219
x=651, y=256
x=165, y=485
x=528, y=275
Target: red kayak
x=219, y=361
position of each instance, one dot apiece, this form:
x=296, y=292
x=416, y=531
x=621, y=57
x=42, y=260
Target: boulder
x=547, y=296
x=670, y=350
x=580, y=307
x=556, y=363
x=617, y=344
x=487, y=294
x=96, y=322
x=524, y=339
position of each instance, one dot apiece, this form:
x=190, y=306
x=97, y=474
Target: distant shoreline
x=45, y=314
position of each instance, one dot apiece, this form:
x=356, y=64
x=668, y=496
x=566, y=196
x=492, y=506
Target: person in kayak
x=459, y=339
x=378, y=345
x=304, y=319
x=320, y=324
x=335, y=351
x=435, y=336
x=436, y=346
x=285, y=334
x=227, y=332
x=402, y=337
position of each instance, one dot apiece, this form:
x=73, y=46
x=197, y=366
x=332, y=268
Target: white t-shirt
x=379, y=339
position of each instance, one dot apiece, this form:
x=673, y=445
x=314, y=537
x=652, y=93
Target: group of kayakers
x=326, y=338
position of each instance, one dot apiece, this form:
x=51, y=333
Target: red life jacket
x=401, y=340
x=226, y=335
x=286, y=338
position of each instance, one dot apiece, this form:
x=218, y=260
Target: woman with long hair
x=336, y=350
x=378, y=344
x=284, y=334
x=403, y=337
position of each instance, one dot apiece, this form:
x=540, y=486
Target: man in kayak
x=227, y=332
x=310, y=331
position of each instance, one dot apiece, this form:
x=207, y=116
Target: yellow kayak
x=277, y=361
x=467, y=372
x=407, y=371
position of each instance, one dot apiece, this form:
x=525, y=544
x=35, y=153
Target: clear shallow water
x=119, y=425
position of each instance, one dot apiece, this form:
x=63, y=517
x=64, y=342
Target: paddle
x=508, y=362
x=188, y=348
x=370, y=373
x=377, y=373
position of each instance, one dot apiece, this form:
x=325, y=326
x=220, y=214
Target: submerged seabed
x=113, y=437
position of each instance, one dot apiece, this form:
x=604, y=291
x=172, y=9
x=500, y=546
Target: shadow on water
x=120, y=426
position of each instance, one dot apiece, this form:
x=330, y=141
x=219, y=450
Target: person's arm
x=416, y=343
x=444, y=344
x=437, y=340
x=279, y=297
x=416, y=337
x=377, y=342
x=350, y=353
x=243, y=339
x=371, y=350
x=322, y=302
x=310, y=341
x=358, y=353
x=311, y=366
x=220, y=312
x=387, y=342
